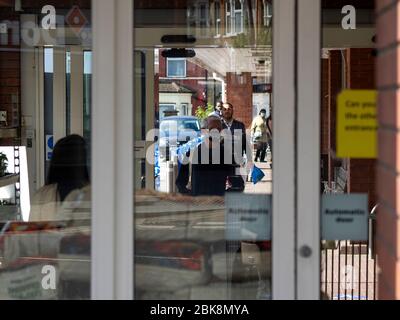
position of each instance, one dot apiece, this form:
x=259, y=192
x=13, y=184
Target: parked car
x=176, y=131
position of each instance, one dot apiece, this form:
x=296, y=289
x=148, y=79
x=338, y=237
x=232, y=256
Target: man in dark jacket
x=238, y=131
x=209, y=170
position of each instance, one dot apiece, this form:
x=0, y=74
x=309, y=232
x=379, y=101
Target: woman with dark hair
x=67, y=172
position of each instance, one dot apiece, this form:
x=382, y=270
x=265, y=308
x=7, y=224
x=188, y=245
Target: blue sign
x=49, y=147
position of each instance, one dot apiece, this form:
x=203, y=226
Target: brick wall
x=360, y=74
x=325, y=107
x=198, y=85
x=334, y=88
x=388, y=81
x=239, y=92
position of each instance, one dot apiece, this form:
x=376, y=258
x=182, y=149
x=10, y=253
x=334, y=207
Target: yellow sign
x=357, y=124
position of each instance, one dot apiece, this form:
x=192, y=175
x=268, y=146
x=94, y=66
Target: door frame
x=283, y=194
x=308, y=149
x=296, y=128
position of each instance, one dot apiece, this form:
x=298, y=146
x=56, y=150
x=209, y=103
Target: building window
x=203, y=18
x=228, y=19
x=184, y=109
x=217, y=18
x=176, y=68
x=267, y=13
x=238, y=16
x=191, y=18
x=166, y=109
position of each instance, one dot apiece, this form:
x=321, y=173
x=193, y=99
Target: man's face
x=263, y=115
x=227, y=111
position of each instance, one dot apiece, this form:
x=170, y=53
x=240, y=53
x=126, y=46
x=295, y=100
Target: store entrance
x=191, y=79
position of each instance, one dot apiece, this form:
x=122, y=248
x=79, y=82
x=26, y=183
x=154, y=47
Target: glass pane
x=238, y=22
x=87, y=100
x=348, y=164
x=176, y=67
x=203, y=160
x=45, y=214
x=68, y=91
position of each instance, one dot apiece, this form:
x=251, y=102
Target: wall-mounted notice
x=344, y=217
x=49, y=147
x=357, y=124
x=248, y=217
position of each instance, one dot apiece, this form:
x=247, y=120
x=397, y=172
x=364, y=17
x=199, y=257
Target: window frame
x=234, y=13
x=217, y=13
x=267, y=14
x=168, y=69
x=228, y=18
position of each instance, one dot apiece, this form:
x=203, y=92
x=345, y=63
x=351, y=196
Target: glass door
x=209, y=158
x=336, y=151
x=45, y=239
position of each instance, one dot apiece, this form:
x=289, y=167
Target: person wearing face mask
x=259, y=132
x=204, y=172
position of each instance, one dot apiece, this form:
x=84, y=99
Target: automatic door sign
x=357, y=124
x=248, y=217
x=344, y=217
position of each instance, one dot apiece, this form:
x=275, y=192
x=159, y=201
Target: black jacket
x=245, y=148
x=206, y=178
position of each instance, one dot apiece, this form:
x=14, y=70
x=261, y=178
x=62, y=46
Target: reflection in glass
x=45, y=233
x=202, y=210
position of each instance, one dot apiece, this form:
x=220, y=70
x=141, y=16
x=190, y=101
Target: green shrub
x=203, y=112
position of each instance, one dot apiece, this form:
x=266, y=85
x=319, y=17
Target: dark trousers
x=261, y=151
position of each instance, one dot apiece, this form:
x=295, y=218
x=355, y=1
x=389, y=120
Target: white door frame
x=112, y=171
x=112, y=150
x=308, y=149
x=283, y=211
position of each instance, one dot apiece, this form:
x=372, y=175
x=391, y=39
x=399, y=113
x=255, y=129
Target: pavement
x=265, y=185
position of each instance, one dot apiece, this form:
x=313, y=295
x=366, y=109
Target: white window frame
x=267, y=14
x=176, y=59
x=228, y=18
x=238, y=11
x=217, y=13
x=184, y=109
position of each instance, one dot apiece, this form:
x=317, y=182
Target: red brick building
x=388, y=187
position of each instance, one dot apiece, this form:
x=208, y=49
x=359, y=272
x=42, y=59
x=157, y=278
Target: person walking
x=269, y=132
x=259, y=132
